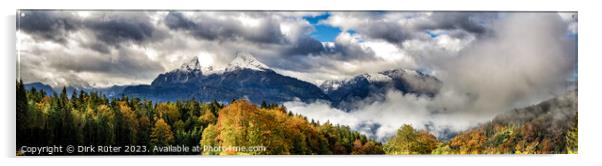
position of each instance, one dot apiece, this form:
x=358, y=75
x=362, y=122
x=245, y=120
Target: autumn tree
x=210, y=139
x=169, y=112
x=572, y=137
x=129, y=126
x=207, y=118
x=409, y=141
x=161, y=134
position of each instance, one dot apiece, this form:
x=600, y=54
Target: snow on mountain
x=241, y=61
x=332, y=85
x=245, y=61
x=377, y=77
x=345, y=93
x=243, y=77
x=192, y=65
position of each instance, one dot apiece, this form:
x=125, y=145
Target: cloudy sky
x=104, y=48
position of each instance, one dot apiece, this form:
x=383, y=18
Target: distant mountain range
x=372, y=87
x=113, y=91
x=246, y=77
x=40, y=86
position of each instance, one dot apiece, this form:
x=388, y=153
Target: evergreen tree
x=22, y=114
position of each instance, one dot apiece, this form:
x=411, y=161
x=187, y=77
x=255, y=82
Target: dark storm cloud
x=48, y=25
x=349, y=51
x=175, y=20
x=117, y=28
x=126, y=63
x=95, y=51
x=109, y=29
x=268, y=31
x=390, y=32
x=306, y=45
x=473, y=22
x=115, y=31
x=209, y=28
x=385, y=25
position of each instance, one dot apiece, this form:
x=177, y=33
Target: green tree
x=22, y=109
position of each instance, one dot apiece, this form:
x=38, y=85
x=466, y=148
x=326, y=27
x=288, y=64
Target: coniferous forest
x=132, y=126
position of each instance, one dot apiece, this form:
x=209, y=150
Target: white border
x=589, y=60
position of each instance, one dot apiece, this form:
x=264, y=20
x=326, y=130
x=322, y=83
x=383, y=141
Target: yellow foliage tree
x=161, y=133
x=409, y=141
x=168, y=111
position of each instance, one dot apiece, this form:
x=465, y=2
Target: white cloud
x=385, y=50
x=526, y=60
x=387, y=115
x=205, y=58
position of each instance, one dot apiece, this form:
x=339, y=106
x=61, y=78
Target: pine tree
x=22, y=110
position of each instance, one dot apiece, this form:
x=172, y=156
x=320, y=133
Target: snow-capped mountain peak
x=332, y=85
x=246, y=61
x=191, y=65
x=194, y=66
x=376, y=77
x=242, y=61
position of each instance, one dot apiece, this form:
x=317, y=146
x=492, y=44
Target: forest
x=88, y=118
x=92, y=119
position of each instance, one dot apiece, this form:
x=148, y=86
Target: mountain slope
x=547, y=127
x=552, y=112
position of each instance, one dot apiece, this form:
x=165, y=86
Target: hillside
x=241, y=128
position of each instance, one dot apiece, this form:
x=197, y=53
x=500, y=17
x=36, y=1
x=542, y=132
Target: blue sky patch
x=432, y=34
x=322, y=33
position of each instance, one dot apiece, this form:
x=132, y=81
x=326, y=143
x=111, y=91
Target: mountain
x=110, y=92
x=243, y=77
x=40, y=86
x=372, y=87
x=246, y=77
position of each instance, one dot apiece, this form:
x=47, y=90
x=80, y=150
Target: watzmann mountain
x=243, y=77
